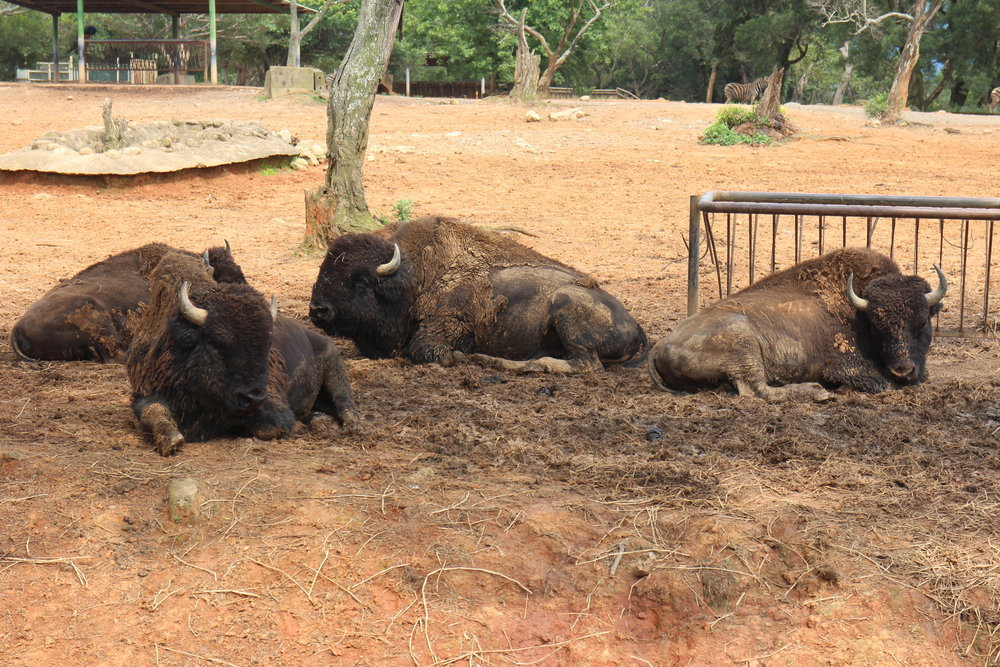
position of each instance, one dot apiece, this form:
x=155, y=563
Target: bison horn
x=191, y=312
x=390, y=267
x=208, y=265
x=274, y=307
x=228, y=249
x=935, y=297
x=856, y=301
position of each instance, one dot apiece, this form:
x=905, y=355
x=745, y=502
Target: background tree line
x=833, y=50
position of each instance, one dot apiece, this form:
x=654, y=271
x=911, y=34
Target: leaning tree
x=339, y=206
x=865, y=17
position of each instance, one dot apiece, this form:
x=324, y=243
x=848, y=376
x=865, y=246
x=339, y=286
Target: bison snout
x=320, y=314
x=248, y=400
x=904, y=370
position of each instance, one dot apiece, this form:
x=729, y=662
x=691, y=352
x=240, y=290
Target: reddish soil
x=485, y=518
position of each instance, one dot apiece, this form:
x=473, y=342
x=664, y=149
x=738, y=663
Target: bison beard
x=801, y=331
x=438, y=290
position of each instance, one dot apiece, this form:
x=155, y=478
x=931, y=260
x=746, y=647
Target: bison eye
x=363, y=280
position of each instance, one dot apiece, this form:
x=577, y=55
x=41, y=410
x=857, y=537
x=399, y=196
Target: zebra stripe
x=994, y=99
x=745, y=91
x=329, y=79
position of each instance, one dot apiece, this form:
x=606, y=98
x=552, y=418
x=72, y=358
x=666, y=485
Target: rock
x=532, y=116
x=456, y=133
x=183, y=499
x=86, y=150
x=132, y=150
x=568, y=114
x=584, y=98
x=114, y=155
x=286, y=135
x=299, y=164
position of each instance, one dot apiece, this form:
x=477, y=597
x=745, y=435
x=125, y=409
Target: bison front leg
x=157, y=421
x=336, y=389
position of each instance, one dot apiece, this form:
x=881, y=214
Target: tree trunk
x=770, y=101
x=845, y=81
x=908, y=57
x=295, y=37
x=525, y=67
x=711, y=83
x=340, y=207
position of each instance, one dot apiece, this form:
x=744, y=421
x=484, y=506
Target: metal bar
x=797, y=238
x=55, y=48
x=774, y=241
x=712, y=249
x=822, y=233
x=966, y=213
x=892, y=239
x=986, y=291
x=721, y=196
x=965, y=263
x=916, y=245
x=694, y=254
x=751, y=268
x=730, y=227
x=843, y=241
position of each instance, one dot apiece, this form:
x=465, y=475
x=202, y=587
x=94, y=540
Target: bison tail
x=643, y=352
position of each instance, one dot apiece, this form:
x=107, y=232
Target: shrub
x=721, y=133
x=877, y=106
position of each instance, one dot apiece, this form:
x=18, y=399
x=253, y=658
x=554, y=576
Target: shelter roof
x=174, y=7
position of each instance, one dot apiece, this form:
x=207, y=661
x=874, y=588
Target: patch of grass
x=269, y=169
x=402, y=211
x=722, y=132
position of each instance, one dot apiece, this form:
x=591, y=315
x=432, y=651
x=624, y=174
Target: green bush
x=721, y=133
x=877, y=106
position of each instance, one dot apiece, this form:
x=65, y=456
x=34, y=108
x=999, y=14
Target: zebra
x=329, y=79
x=994, y=99
x=745, y=91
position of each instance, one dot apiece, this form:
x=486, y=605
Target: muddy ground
x=485, y=518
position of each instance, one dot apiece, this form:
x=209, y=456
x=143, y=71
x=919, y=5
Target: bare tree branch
x=853, y=11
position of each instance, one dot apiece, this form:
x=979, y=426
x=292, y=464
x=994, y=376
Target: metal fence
x=738, y=237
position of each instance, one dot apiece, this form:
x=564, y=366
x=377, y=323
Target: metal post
x=79, y=41
x=694, y=250
x=407, y=81
x=55, y=48
x=482, y=87
x=211, y=21
x=175, y=65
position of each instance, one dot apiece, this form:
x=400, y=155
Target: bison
x=847, y=319
x=438, y=290
x=211, y=359
x=87, y=317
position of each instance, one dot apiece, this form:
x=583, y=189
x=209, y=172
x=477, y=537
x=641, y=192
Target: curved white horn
x=935, y=297
x=856, y=301
x=208, y=265
x=274, y=307
x=191, y=312
x=390, y=267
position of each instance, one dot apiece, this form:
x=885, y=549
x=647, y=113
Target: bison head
x=364, y=292
x=899, y=310
x=222, y=346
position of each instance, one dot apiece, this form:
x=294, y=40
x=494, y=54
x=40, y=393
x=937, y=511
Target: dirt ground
x=485, y=518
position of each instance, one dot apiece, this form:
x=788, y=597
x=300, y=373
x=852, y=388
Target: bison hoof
x=169, y=443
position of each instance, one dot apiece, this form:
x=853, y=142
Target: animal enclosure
x=748, y=235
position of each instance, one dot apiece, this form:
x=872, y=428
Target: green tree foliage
x=25, y=38
x=453, y=40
